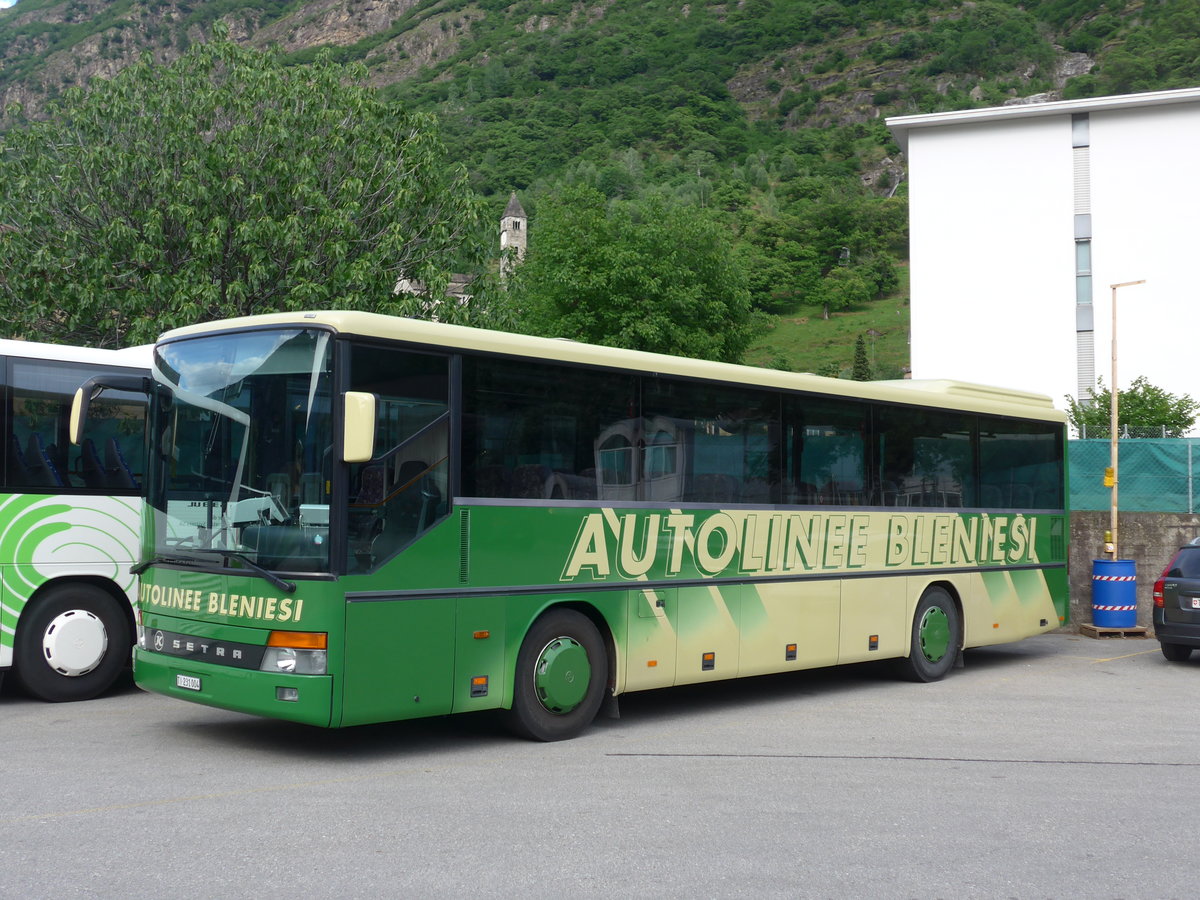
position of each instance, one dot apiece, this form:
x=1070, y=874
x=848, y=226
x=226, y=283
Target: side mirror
x=79, y=407
x=358, y=426
x=92, y=388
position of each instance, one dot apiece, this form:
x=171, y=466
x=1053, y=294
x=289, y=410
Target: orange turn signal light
x=299, y=640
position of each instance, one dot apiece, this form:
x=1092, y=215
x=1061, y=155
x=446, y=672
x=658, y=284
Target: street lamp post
x=1111, y=547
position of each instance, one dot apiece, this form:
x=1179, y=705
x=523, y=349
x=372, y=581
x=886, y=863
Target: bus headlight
x=295, y=653
x=293, y=662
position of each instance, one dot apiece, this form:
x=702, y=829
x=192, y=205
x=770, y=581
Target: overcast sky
x=6, y=3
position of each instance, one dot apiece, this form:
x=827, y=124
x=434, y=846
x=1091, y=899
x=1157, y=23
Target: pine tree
x=862, y=365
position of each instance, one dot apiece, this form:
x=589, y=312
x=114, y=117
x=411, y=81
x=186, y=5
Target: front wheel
x=71, y=643
x=561, y=677
x=1175, y=652
x=935, y=643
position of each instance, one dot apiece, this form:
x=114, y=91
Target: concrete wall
x=1147, y=538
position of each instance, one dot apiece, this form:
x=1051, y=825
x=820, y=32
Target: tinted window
x=404, y=488
x=1186, y=564
x=1021, y=464
x=536, y=431
x=926, y=458
x=826, y=448
x=708, y=444
x=38, y=454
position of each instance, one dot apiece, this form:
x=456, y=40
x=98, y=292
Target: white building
x=1022, y=217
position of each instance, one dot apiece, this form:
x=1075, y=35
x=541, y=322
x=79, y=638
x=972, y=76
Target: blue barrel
x=1114, y=593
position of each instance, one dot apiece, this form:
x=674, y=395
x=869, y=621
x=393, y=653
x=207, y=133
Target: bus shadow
x=414, y=737
x=11, y=690
x=471, y=732
x=832, y=682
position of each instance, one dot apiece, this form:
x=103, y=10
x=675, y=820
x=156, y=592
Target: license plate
x=187, y=682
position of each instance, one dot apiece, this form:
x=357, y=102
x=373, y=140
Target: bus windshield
x=242, y=458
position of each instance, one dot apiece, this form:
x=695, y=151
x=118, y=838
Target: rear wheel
x=71, y=643
x=1175, y=652
x=935, y=642
x=561, y=677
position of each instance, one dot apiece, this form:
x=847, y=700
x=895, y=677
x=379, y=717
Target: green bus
x=355, y=518
x=70, y=518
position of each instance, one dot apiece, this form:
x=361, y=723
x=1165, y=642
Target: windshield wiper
x=286, y=586
x=141, y=567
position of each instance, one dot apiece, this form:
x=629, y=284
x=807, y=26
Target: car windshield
x=242, y=437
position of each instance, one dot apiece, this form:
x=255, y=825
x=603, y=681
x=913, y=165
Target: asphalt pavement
x=1061, y=766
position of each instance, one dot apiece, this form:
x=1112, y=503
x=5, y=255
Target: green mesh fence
x=1155, y=475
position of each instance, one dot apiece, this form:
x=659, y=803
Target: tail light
x=1157, y=594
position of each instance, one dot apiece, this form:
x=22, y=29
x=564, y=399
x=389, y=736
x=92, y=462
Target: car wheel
x=1175, y=652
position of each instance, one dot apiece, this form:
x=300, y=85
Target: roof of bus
x=951, y=394
x=129, y=356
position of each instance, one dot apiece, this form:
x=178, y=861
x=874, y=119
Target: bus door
x=399, y=644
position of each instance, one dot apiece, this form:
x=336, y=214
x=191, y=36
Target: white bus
x=70, y=519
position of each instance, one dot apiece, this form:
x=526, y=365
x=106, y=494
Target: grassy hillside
x=800, y=339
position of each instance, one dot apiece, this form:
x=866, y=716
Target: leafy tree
x=646, y=277
x=224, y=184
x=842, y=288
x=1142, y=405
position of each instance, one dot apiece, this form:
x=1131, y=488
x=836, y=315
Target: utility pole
x=1111, y=544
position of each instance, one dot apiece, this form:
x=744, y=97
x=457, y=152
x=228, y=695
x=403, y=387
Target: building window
x=1080, y=136
x=1083, y=272
x=1083, y=257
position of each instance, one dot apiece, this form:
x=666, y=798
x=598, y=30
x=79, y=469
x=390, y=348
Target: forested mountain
x=768, y=114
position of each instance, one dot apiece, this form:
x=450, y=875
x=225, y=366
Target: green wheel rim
x=934, y=634
x=561, y=675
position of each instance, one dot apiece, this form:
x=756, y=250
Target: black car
x=1177, y=604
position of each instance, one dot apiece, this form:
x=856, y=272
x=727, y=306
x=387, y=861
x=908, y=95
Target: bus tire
x=561, y=677
x=72, y=642
x=935, y=639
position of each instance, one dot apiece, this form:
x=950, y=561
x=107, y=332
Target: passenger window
x=708, y=444
x=1021, y=464
x=404, y=488
x=926, y=458
x=38, y=453
x=535, y=431
x=826, y=452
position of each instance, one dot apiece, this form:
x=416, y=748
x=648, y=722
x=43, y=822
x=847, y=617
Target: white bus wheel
x=72, y=642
